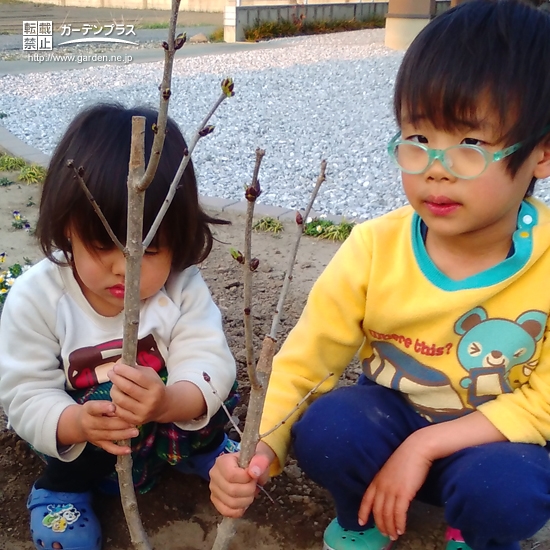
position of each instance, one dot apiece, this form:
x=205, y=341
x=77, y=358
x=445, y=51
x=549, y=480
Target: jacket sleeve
x=32, y=383
x=325, y=339
x=523, y=416
x=198, y=345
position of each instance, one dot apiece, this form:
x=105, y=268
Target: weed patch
x=271, y=225
x=266, y=30
x=326, y=229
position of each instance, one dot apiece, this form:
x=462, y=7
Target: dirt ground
x=177, y=513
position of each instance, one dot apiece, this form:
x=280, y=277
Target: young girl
x=61, y=382
x=447, y=301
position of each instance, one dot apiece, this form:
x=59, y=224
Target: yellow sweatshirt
x=449, y=347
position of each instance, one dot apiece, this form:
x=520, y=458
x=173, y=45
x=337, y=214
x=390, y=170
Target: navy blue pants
x=497, y=494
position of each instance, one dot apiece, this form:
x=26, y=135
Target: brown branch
x=251, y=434
x=78, y=175
x=208, y=380
x=136, y=199
x=165, y=93
x=251, y=194
x=292, y=260
x=183, y=165
x=297, y=406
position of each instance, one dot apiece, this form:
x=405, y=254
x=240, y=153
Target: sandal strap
x=454, y=539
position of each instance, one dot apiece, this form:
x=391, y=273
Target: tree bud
x=227, y=87
x=206, y=130
x=237, y=255
x=180, y=41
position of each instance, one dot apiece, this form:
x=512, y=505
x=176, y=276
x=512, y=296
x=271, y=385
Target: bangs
x=451, y=109
x=113, y=201
x=107, y=181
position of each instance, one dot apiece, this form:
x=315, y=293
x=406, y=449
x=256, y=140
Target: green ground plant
x=326, y=229
x=316, y=227
x=153, y=25
x=6, y=182
x=8, y=276
x=32, y=173
x=11, y=164
x=20, y=222
x=217, y=35
x=271, y=225
x=266, y=30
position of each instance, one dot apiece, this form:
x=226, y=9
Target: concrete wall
x=237, y=18
x=216, y=6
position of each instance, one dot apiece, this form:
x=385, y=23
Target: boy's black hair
x=482, y=53
x=98, y=139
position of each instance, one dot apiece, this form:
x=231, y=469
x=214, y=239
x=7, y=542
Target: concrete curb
x=16, y=147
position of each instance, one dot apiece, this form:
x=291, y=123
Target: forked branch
x=251, y=434
x=133, y=252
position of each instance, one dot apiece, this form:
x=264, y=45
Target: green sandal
x=454, y=540
x=338, y=538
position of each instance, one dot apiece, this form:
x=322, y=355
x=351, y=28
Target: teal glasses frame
x=439, y=154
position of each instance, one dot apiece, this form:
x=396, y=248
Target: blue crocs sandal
x=65, y=519
x=201, y=463
x=338, y=538
x=454, y=540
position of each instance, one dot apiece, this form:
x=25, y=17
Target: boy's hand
x=232, y=489
x=101, y=426
x=389, y=495
x=138, y=393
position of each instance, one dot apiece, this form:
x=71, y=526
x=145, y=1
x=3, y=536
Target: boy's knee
x=507, y=485
x=330, y=428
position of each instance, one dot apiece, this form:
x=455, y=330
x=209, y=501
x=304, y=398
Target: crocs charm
x=60, y=516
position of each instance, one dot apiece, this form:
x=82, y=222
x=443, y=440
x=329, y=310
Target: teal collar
x=523, y=247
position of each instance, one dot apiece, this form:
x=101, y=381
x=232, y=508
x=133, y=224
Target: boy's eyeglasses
x=462, y=161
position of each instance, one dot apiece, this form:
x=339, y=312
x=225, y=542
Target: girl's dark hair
x=98, y=140
x=482, y=54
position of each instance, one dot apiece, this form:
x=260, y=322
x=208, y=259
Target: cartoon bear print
x=490, y=348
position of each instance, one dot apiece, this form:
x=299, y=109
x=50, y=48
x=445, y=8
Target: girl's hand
x=389, y=495
x=99, y=425
x=232, y=488
x=138, y=393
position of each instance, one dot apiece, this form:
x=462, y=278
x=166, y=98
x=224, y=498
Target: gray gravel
x=305, y=99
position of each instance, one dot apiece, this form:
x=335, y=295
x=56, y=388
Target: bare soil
x=177, y=513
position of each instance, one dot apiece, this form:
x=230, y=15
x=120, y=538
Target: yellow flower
x=3, y=291
x=319, y=229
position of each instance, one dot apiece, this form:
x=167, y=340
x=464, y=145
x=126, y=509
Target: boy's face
x=100, y=273
x=484, y=206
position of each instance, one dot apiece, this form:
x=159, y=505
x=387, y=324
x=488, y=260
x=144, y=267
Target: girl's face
x=486, y=206
x=100, y=273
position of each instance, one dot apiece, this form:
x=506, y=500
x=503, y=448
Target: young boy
x=447, y=301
